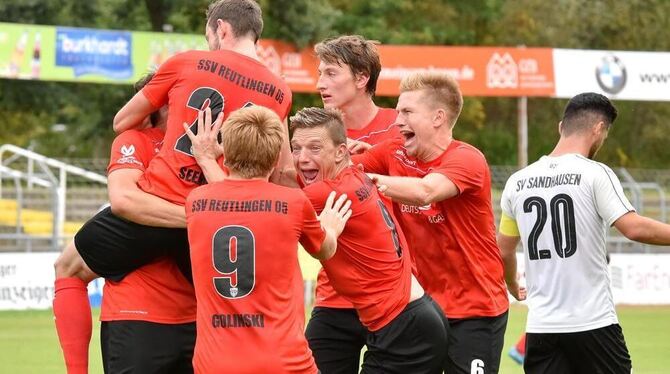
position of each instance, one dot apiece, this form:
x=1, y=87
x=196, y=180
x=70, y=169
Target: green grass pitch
x=28, y=342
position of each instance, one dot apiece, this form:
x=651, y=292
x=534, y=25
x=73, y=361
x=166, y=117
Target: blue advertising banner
x=100, y=52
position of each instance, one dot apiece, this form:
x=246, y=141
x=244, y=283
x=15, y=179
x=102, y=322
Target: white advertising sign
x=616, y=74
x=27, y=281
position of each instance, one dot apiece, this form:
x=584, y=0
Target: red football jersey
x=453, y=242
x=370, y=268
x=379, y=129
x=156, y=292
x=244, y=238
x=189, y=81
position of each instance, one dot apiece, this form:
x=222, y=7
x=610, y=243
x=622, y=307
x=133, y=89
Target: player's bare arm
x=432, y=188
x=333, y=218
x=643, y=229
x=133, y=204
x=133, y=114
x=507, y=246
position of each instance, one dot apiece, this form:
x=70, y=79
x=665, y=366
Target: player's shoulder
x=461, y=148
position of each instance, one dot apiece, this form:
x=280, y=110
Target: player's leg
x=544, y=355
x=475, y=344
x=414, y=342
x=601, y=350
x=336, y=337
x=72, y=310
x=139, y=347
x=184, y=338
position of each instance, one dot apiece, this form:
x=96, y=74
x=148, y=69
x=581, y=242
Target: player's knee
x=67, y=264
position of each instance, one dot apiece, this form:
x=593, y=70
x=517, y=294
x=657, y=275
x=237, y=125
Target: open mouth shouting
x=408, y=135
x=309, y=175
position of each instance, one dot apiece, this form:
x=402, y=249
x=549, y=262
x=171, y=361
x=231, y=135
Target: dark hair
x=359, y=54
x=244, y=16
x=330, y=119
x=139, y=85
x=585, y=110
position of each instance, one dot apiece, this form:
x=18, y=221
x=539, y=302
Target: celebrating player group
x=212, y=187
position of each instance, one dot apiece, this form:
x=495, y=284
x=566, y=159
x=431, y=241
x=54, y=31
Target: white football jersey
x=563, y=207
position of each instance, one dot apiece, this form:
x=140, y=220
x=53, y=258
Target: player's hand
x=355, y=146
x=335, y=214
x=376, y=180
x=518, y=292
x=205, y=143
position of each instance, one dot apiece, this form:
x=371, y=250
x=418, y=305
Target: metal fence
x=43, y=201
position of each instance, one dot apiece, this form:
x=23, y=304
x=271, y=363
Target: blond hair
x=252, y=139
x=440, y=90
x=359, y=54
x=244, y=16
x=330, y=119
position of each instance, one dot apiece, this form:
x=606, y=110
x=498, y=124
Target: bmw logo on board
x=611, y=74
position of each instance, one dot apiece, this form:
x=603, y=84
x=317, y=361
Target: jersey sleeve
x=156, y=91
x=317, y=194
x=129, y=151
x=312, y=236
x=506, y=198
x=465, y=167
x=376, y=159
x=609, y=197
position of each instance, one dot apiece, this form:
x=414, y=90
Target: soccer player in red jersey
x=348, y=71
x=148, y=319
x=371, y=269
x=131, y=153
x=441, y=189
x=244, y=234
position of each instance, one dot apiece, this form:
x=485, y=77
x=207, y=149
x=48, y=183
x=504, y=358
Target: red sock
x=72, y=314
x=521, y=345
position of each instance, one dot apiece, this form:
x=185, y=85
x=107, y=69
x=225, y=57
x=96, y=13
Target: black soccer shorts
x=147, y=348
x=601, y=350
x=475, y=344
x=414, y=342
x=336, y=337
x=112, y=247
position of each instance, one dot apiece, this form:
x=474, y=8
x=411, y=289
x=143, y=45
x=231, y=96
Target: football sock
x=72, y=315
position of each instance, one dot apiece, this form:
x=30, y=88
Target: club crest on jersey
x=127, y=151
x=233, y=291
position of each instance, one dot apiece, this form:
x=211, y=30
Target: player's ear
x=560, y=127
x=362, y=80
x=599, y=128
x=341, y=153
x=439, y=117
x=222, y=29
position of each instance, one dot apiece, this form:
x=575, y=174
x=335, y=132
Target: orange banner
x=481, y=71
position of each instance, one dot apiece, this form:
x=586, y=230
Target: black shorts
x=112, y=247
x=475, y=344
x=601, y=350
x=336, y=337
x=414, y=342
x=146, y=347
